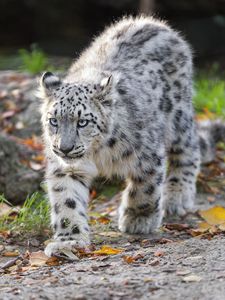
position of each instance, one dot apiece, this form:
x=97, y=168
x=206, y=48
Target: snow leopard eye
x=82, y=123
x=53, y=122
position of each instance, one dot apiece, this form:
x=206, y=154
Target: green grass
x=33, y=217
x=33, y=61
x=210, y=95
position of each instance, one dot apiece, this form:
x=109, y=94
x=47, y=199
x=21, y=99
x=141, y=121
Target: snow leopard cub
x=124, y=108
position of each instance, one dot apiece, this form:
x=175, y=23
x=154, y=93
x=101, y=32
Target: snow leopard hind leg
x=141, y=211
x=183, y=168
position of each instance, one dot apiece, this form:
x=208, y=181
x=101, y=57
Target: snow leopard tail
x=210, y=133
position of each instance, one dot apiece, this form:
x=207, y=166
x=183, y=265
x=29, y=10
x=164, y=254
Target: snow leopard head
x=75, y=117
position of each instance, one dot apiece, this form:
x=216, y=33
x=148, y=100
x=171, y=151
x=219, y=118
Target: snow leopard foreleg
x=68, y=193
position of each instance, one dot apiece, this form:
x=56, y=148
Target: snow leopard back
x=152, y=72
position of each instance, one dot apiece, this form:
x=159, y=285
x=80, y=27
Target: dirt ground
x=168, y=265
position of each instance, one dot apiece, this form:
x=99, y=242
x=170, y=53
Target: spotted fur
x=124, y=108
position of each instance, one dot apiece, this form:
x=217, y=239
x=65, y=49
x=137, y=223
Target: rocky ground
x=184, y=260
x=171, y=264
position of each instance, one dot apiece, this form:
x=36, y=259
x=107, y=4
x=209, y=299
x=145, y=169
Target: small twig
x=11, y=262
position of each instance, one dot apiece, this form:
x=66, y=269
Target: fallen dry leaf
x=165, y=241
x=35, y=166
x=52, y=261
x=154, y=262
x=93, y=194
x=68, y=253
x=39, y=158
x=222, y=227
x=191, y=278
x=206, y=115
x=159, y=253
x=38, y=259
x=33, y=143
x=203, y=227
x=131, y=259
x=214, y=215
x=5, y=233
x=214, y=222
x=103, y=220
x=10, y=253
x=211, y=199
x=112, y=234
x=128, y=259
x=183, y=272
x=148, y=279
x=4, y=209
x=107, y=250
x=176, y=226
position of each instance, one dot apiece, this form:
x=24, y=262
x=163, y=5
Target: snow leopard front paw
x=134, y=223
x=58, y=246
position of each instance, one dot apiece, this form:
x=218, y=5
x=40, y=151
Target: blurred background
x=63, y=28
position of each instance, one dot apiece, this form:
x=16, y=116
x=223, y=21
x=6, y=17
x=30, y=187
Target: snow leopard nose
x=64, y=149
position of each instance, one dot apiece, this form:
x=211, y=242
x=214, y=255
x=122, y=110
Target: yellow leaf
x=214, y=215
x=107, y=250
x=204, y=226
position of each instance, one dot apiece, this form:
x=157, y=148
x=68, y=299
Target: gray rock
x=17, y=180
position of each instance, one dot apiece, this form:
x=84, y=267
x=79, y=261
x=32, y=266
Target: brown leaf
x=10, y=253
x=93, y=194
x=33, y=143
x=38, y=259
x=159, y=253
x=53, y=261
x=176, y=226
x=154, y=262
x=103, y=220
x=128, y=259
x=165, y=241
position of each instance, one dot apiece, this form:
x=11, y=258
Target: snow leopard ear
x=49, y=81
x=105, y=85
